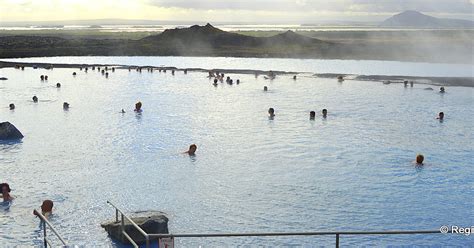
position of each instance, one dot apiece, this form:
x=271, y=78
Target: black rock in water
x=9, y=132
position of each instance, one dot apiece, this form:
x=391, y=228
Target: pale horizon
x=202, y=11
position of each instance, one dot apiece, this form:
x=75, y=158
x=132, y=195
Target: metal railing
x=337, y=234
x=45, y=223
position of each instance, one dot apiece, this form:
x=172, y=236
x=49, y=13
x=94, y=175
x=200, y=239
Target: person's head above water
x=11, y=106
x=419, y=159
x=192, y=149
x=35, y=99
x=138, y=107
x=312, y=115
x=47, y=206
x=65, y=105
x=271, y=112
x=265, y=88
x=6, y=192
x=441, y=89
x=58, y=85
x=5, y=188
x=325, y=112
x=441, y=115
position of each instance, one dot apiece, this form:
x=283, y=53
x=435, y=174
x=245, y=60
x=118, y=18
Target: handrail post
x=116, y=215
x=337, y=240
x=122, y=225
x=44, y=234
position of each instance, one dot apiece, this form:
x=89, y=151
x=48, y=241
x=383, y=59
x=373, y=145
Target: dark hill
x=413, y=18
x=211, y=37
x=207, y=36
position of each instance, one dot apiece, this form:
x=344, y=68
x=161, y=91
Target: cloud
x=367, y=6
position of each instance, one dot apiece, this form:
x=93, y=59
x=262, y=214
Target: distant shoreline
x=431, y=46
x=434, y=81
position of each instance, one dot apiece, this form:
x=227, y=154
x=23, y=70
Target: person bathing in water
x=440, y=116
x=46, y=208
x=325, y=113
x=192, y=150
x=138, y=107
x=6, y=192
x=271, y=113
x=419, y=159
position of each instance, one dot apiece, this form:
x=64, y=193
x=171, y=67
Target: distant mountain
x=413, y=18
x=211, y=36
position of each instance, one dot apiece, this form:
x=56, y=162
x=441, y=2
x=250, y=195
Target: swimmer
x=46, y=208
x=42, y=77
x=185, y=71
x=325, y=113
x=312, y=115
x=35, y=99
x=58, y=85
x=405, y=83
x=231, y=82
x=419, y=159
x=113, y=69
x=228, y=79
x=411, y=83
x=440, y=116
x=172, y=72
x=65, y=106
x=46, y=78
x=74, y=73
x=107, y=75
x=6, y=192
x=271, y=112
x=138, y=107
x=123, y=111
x=340, y=78
x=265, y=88
x=12, y=106
x=215, y=82
x=441, y=90
x=192, y=150
x=294, y=77
x=238, y=81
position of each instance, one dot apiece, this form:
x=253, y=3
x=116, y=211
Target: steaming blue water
x=352, y=171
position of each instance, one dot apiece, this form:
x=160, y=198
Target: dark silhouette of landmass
x=413, y=18
x=210, y=41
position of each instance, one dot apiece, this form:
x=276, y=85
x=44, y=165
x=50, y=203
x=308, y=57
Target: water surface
x=351, y=171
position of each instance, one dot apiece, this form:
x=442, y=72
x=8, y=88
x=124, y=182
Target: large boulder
x=149, y=221
x=9, y=132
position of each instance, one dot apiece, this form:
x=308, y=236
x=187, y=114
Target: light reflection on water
x=351, y=171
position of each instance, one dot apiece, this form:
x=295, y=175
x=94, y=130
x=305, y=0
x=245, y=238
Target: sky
x=253, y=11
